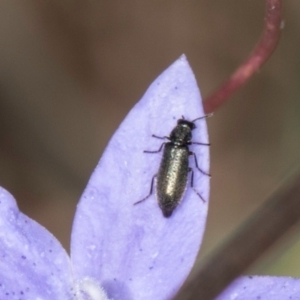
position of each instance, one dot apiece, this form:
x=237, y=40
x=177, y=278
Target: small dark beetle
x=173, y=172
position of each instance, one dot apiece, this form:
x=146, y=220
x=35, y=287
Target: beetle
x=172, y=176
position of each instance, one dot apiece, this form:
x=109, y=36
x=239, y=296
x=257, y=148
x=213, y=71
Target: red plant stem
x=260, y=54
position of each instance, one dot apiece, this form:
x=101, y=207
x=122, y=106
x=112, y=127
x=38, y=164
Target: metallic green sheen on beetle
x=172, y=176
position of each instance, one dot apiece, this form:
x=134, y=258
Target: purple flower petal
x=133, y=251
x=262, y=287
x=33, y=265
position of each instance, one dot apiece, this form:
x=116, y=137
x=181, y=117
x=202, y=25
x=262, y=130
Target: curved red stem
x=260, y=54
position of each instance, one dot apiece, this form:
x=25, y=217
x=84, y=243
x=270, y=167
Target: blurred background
x=71, y=70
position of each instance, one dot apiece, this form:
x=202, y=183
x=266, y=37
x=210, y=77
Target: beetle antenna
x=204, y=117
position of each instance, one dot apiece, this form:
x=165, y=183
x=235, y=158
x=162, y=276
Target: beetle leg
x=192, y=184
x=151, y=191
x=160, y=137
x=196, y=162
x=162, y=145
x=202, y=144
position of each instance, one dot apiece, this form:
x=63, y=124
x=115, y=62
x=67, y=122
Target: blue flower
x=262, y=288
x=119, y=251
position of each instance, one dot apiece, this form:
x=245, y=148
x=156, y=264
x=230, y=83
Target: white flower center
x=89, y=289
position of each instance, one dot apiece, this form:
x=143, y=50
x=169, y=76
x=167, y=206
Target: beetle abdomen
x=172, y=177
